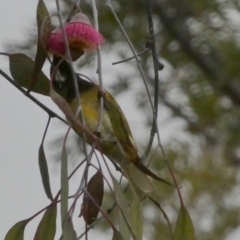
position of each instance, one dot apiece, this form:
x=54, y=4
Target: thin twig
x=164, y=214
x=109, y=210
x=46, y=128
x=64, y=170
x=99, y=66
x=154, y=125
x=152, y=45
x=78, y=3
x=78, y=112
x=84, y=180
x=71, y=13
x=103, y=213
x=69, y=177
x=130, y=58
x=68, y=55
x=109, y=4
x=46, y=109
x=85, y=175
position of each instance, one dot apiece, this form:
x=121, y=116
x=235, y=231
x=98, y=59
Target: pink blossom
x=81, y=36
x=55, y=44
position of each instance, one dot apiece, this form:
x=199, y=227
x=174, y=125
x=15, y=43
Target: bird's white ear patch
x=60, y=77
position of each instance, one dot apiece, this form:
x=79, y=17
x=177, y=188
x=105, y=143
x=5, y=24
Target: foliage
x=198, y=43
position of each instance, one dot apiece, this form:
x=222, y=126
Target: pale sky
x=21, y=128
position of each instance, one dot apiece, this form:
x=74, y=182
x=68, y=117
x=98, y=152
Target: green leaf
x=120, y=196
x=47, y=227
x=136, y=218
x=117, y=235
x=89, y=210
x=184, y=227
x=67, y=226
x=64, y=184
x=44, y=31
x=17, y=231
x=43, y=22
x=44, y=171
x=124, y=227
x=21, y=68
x=124, y=215
x=68, y=230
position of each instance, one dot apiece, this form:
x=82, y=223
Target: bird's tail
x=148, y=172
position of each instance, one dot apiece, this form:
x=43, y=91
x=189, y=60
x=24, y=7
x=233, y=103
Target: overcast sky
x=21, y=128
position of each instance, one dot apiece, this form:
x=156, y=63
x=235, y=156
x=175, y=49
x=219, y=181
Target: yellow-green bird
x=116, y=140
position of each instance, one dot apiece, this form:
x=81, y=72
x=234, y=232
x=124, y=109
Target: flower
x=81, y=36
x=55, y=43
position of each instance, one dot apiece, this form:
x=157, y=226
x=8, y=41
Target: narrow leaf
x=117, y=235
x=137, y=219
x=124, y=215
x=120, y=195
x=43, y=22
x=64, y=184
x=17, y=231
x=66, y=223
x=44, y=171
x=45, y=30
x=124, y=227
x=89, y=210
x=68, y=229
x=47, y=227
x=21, y=68
x=184, y=227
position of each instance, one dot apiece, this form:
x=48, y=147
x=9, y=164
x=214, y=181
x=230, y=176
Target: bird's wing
x=120, y=127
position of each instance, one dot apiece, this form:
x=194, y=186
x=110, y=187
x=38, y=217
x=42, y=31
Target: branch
x=152, y=45
x=46, y=109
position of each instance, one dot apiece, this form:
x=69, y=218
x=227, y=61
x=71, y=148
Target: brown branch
x=46, y=109
x=152, y=45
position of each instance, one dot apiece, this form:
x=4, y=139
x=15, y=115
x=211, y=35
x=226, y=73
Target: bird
x=116, y=140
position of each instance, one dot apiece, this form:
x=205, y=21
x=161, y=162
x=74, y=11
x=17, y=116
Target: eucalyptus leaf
x=66, y=222
x=21, y=68
x=44, y=171
x=17, y=231
x=124, y=216
x=137, y=218
x=89, y=209
x=64, y=184
x=117, y=235
x=184, y=227
x=46, y=229
x=68, y=229
x=44, y=31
